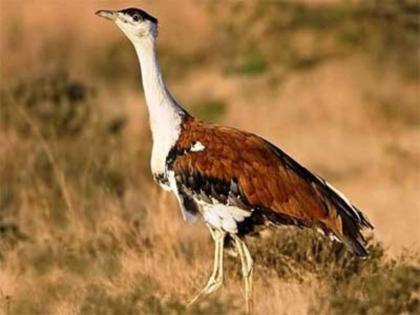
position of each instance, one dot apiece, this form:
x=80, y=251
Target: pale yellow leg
x=216, y=278
x=247, y=269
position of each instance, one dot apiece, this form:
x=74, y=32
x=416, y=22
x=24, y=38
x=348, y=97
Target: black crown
x=143, y=14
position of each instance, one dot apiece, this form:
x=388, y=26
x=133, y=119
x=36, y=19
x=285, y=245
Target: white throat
x=164, y=113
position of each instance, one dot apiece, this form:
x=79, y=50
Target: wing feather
x=268, y=179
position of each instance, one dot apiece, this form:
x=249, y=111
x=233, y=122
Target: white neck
x=164, y=113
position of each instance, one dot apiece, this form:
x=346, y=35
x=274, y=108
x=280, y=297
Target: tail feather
x=346, y=221
x=352, y=236
x=353, y=221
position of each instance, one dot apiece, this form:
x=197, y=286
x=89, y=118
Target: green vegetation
x=209, y=109
x=58, y=105
x=375, y=285
x=252, y=63
x=300, y=37
x=144, y=299
x=54, y=120
x=392, y=288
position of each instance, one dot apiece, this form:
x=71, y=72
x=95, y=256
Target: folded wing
x=242, y=169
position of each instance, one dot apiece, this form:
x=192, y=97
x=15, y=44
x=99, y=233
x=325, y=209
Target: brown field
x=85, y=230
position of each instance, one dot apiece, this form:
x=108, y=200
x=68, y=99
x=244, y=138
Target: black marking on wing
x=195, y=187
x=176, y=152
x=212, y=190
x=188, y=204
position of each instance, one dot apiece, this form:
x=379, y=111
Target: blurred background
x=83, y=228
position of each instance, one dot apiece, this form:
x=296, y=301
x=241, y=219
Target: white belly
x=223, y=217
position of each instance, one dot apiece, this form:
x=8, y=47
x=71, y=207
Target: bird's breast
x=158, y=162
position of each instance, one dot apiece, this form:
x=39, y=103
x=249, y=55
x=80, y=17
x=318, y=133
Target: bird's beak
x=108, y=14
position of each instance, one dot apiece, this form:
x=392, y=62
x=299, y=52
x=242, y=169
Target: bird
x=237, y=182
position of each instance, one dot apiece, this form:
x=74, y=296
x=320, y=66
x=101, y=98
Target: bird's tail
x=346, y=221
x=351, y=233
x=343, y=221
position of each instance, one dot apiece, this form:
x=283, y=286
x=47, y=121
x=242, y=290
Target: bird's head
x=135, y=23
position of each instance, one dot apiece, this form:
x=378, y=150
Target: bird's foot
x=211, y=286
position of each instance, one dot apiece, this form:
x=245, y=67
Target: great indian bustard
x=235, y=181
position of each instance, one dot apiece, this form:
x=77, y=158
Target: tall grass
x=84, y=230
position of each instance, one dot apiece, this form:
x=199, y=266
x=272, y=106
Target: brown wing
x=266, y=177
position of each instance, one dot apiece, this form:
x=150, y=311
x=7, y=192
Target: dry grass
x=84, y=230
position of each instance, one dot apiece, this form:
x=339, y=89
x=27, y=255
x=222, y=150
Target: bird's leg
x=216, y=278
x=247, y=269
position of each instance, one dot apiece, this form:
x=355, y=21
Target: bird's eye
x=136, y=17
